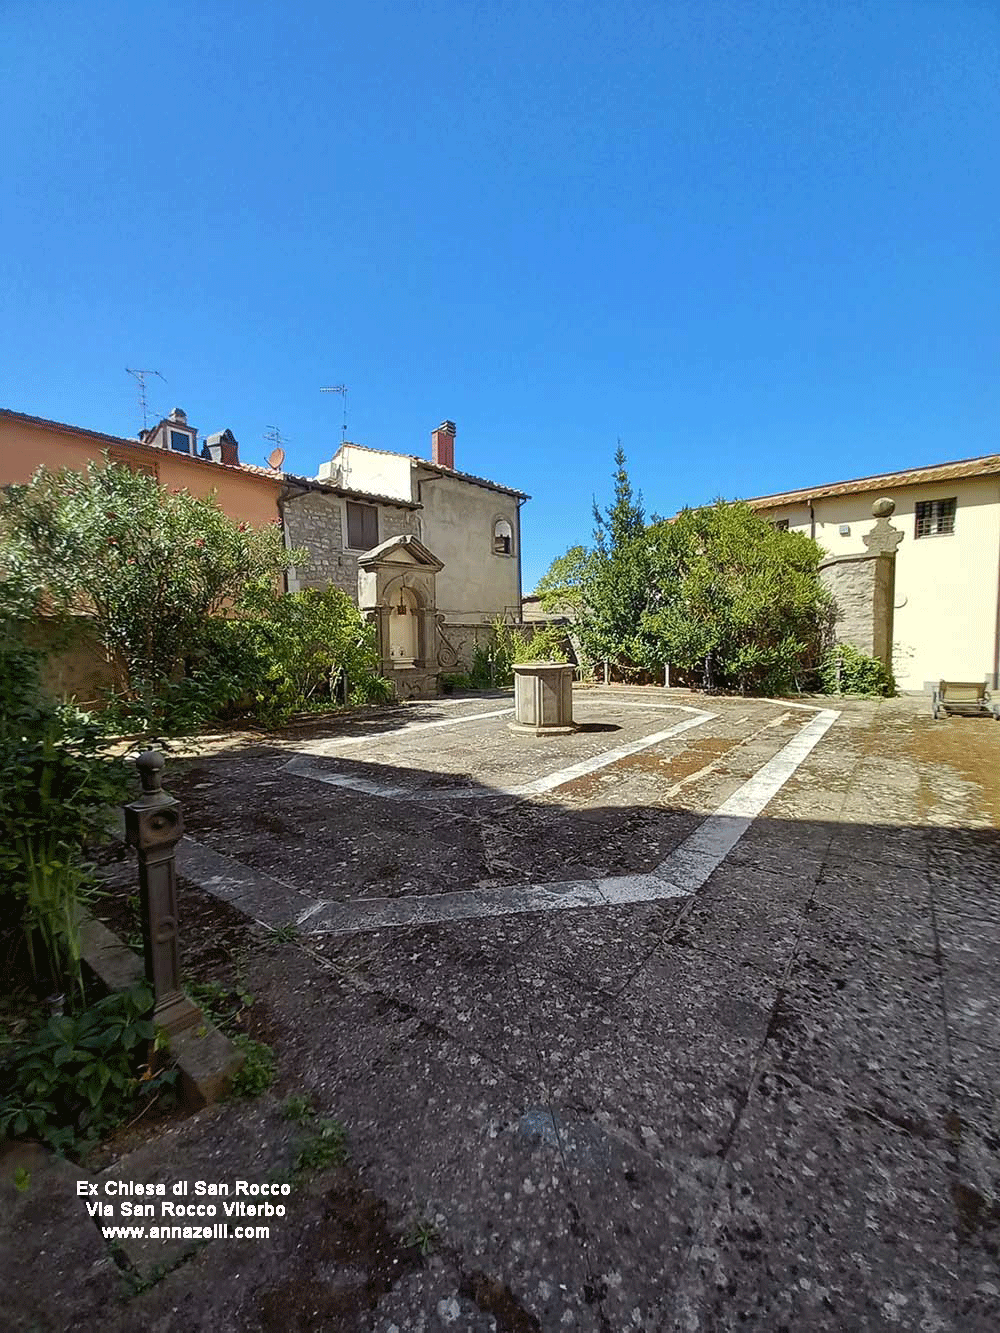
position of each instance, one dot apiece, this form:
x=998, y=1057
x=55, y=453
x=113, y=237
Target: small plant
x=75, y=1077
x=212, y=999
x=493, y=663
x=57, y=784
x=298, y=1107
x=327, y=1147
x=22, y=1180
x=846, y=670
x=258, y=1070
x=422, y=1235
x=286, y=934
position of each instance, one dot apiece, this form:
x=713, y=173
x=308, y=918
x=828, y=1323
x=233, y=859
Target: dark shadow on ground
x=769, y=1104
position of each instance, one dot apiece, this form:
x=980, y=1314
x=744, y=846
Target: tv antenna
x=277, y=455
x=141, y=376
x=342, y=390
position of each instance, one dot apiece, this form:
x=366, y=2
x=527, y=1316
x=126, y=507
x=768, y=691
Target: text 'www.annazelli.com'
x=217, y=1231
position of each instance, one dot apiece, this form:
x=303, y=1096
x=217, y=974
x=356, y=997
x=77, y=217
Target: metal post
x=154, y=826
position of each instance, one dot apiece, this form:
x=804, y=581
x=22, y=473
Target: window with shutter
x=362, y=526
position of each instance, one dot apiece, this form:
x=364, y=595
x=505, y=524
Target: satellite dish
x=275, y=458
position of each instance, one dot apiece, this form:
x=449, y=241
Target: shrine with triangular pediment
x=397, y=593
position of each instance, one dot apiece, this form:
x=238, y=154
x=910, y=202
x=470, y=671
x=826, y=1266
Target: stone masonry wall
x=316, y=522
x=862, y=588
x=851, y=582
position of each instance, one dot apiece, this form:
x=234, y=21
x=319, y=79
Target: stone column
x=427, y=639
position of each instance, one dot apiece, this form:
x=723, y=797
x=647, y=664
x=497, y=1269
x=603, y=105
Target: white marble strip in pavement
x=690, y=864
x=683, y=872
x=329, y=744
x=268, y=900
x=407, y=729
x=303, y=767
x=586, y=766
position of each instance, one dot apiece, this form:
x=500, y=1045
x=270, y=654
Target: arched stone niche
x=397, y=593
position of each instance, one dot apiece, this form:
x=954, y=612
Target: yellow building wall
x=946, y=599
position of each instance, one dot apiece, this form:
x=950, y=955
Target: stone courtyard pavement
x=688, y=1021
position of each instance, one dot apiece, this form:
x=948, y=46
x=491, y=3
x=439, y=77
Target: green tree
x=732, y=601
x=615, y=577
x=561, y=586
x=149, y=565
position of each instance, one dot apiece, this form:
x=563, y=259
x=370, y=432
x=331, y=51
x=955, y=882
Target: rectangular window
x=935, y=517
x=781, y=524
x=180, y=441
x=362, y=526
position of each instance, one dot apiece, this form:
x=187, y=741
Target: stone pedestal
x=543, y=698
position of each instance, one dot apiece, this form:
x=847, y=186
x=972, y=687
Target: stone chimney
x=222, y=447
x=443, y=444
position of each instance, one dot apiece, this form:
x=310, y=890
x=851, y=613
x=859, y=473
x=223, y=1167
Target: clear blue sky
x=757, y=241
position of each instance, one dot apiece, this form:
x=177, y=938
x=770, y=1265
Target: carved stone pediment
x=402, y=550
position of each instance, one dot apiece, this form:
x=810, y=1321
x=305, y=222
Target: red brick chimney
x=443, y=444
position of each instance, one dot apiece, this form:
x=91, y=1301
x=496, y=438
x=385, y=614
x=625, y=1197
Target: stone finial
x=883, y=538
x=150, y=765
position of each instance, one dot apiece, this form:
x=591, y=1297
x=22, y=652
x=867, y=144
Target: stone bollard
x=154, y=826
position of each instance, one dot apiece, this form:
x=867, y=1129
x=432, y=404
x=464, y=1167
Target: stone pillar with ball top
x=882, y=543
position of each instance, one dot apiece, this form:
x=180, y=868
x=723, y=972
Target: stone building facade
x=316, y=520
x=472, y=525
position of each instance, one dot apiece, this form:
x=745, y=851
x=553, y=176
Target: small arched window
x=503, y=538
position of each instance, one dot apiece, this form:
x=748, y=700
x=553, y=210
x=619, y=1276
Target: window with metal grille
x=781, y=524
x=935, y=517
x=362, y=526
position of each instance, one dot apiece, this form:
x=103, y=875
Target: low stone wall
x=458, y=643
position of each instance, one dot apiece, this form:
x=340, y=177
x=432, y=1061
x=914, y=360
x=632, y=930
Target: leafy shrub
x=284, y=654
x=455, y=681
x=732, y=602
x=75, y=1077
x=493, y=663
x=846, y=670
x=150, y=565
x=57, y=785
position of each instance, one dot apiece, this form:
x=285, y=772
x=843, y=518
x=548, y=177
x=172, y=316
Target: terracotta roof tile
x=320, y=484
x=139, y=446
x=984, y=466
